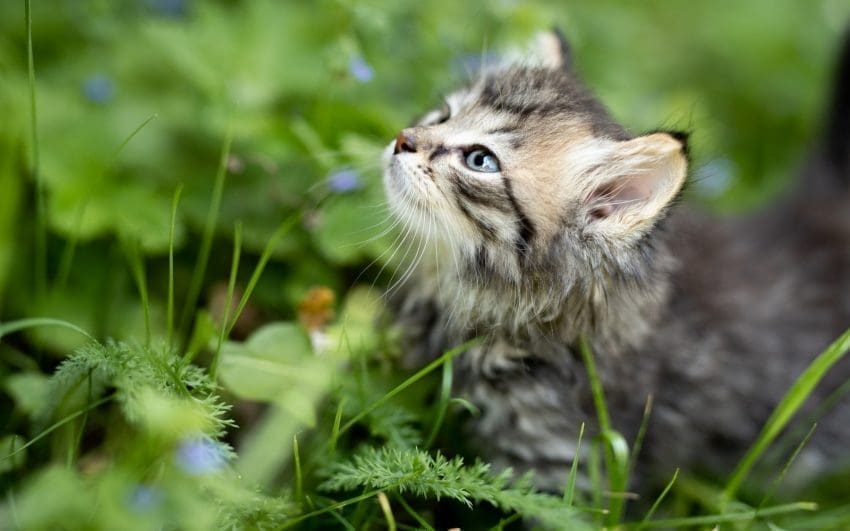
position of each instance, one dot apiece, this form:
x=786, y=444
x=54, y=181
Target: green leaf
x=276, y=364
x=10, y=446
x=27, y=389
x=355, y=330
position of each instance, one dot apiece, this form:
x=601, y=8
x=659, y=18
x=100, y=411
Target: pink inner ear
x=615, y=196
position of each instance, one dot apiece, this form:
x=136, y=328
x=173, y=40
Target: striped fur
x=572, y=237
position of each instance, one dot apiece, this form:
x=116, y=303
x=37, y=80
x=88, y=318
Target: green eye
x=480, y=159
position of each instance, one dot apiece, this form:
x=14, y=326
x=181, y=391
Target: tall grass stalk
x=207, y=237
x=615, y=449
x=299, y=481
x=413, y=514
x=281, y=230
x=657, y=503
x=32, y=322
x=793, y=457
x=137, y=265
x=641, y=434
x=788, y=406
x=384, y=502
x=726, y=518
x=231, y=288
x=67, y=259
x=73, y=450
x=443, y=403
x=338, y=505
x=169, y=316
x=44, y=433
x=40, y=205
x=569, y=490
x=446, y=357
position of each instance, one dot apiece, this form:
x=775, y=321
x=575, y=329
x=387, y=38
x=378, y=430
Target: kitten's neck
x=614, y=311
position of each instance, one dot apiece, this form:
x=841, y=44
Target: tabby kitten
x=551, y=222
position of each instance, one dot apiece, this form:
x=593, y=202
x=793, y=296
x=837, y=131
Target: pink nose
x=404, y=142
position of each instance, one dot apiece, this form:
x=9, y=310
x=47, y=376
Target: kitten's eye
x=479, y=159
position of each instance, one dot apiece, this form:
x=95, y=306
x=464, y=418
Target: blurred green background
x=137, y=98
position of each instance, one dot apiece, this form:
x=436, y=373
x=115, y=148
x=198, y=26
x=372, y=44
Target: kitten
x=552, y=222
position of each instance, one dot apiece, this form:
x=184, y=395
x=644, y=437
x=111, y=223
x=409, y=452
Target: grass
x=790, y=403
x=40, y=208
x=141, y=430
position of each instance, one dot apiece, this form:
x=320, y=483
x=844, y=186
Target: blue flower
x=200, y=456
x=98, y=88
x=144, y=498
x=360, y=69
x=169, y=8
x=344, y=181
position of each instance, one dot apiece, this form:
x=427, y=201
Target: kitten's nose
x=404, y=142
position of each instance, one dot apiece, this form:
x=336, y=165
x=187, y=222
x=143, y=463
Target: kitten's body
x=713, y=318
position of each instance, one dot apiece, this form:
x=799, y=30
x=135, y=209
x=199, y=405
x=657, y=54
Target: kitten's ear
x=633, y=188
x=553, y=50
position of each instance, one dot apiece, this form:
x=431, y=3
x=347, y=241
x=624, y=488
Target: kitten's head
x=523, y=166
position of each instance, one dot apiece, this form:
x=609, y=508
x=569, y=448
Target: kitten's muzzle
x=404, y=142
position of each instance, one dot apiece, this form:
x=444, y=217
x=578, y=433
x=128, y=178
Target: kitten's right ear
x=554, y=50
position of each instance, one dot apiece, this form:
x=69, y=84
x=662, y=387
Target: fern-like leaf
x=435, y=476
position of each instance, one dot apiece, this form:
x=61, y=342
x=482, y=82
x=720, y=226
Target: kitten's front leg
x=533, y=402
x=421, y=322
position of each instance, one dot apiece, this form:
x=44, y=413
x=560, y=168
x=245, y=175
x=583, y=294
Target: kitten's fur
x=576, y=236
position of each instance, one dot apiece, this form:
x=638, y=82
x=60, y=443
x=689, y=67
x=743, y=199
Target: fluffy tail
x=833, y=158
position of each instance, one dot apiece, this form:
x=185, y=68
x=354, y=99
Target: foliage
x=426, y=476
x=166, y=360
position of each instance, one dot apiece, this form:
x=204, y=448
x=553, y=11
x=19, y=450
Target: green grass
x=166, y=379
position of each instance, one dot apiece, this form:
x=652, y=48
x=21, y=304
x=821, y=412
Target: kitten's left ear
x=631, y=190
x=553, y=50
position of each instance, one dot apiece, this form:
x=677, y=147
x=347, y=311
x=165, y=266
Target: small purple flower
x=98, y=88
x=169, y=8
x=344, y=181
x=200, y=456
x=144, y=498
x=360, y=69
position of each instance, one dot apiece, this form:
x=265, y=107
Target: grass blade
x=337, y=422
x=298, y=479
x=657, y=503
x=231, y=287
x=641, y=434
x=207, y=237
x=775, y=484
x=32, y=322
x=40, y=206
x=716, y=519
x=790, y=403
x=569, y=491
x=137, y=265
x=334, y=507
x=58, y=425
x=413, y=514
x=442, y=407
x=282, y=229
x=410, y=381
x=175, y=200
x=67, y=259
x=384, y=502
x=616, y=450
